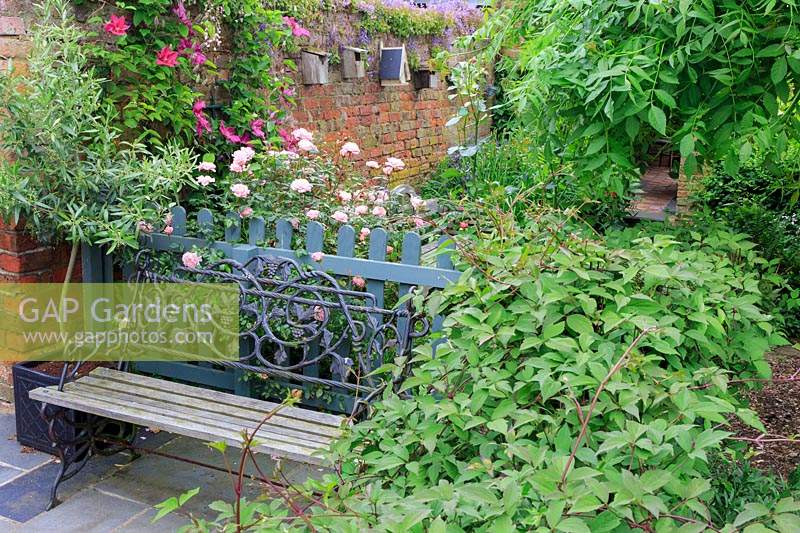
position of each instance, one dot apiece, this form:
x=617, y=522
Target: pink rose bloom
x=168, y=219
x=238, y=167
x=340, y=216
x=288, y=154
x=205, y=181
x=420, y=223
x=257, y=128
x=317, y=256
x=242, y=156
x=417, y=202
x=381, y=196
x=306, y=146
x=167, y=57
x=379, y=211
x=359, y=282
x=395, y=163
x=191, y=260
x=362, y=236
x=301, y=134
x=345, y=196
x=205, y=166
x=389, y=249
x=388, y=170
x=240, y=190
x=297, y=29
x=313, y=214
x=117, y=26
x=362, y=210
x=463, y=225
x=246, y=212
x=319, y=313
x=145, y=227
x=349, y=149
x=295, y=222
x=373, y=164
x=168, y=230
x=300, y=185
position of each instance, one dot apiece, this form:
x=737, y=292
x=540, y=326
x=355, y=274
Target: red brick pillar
x=24, y=260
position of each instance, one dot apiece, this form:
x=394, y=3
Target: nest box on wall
x=314, y=65
x=426, y=78
x=354, y=62
x=394, y=66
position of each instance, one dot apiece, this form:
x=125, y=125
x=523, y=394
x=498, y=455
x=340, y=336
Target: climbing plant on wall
x=158, y=56
x=593, y=80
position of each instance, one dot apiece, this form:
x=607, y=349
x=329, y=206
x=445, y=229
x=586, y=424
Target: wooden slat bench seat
x=292, y=433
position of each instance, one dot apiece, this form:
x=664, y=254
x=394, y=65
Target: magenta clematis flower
x=229, y=133
x=198, y=57
x=117, y=25
x=297, y=29
x=185, y=44
x=257, y=127
x=167, y=57
x=203, y=124
x=180, y=11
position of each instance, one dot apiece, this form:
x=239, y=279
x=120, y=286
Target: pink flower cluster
x=297, y=29
x=241, y=158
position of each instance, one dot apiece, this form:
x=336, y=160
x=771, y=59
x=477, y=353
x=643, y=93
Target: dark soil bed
x=53, y=368
x=778, y=405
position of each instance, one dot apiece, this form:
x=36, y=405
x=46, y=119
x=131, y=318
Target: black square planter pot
x=31, y=428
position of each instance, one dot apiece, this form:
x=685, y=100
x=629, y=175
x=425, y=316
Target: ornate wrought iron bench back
x=379, y=274
x=299, y=326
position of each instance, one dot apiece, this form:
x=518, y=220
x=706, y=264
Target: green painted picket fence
x=378, y=273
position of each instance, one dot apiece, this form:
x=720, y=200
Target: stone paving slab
x=151, y=479
x=87, y=511
x=11, y=453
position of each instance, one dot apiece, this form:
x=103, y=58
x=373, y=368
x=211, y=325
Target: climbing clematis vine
x=117, y=25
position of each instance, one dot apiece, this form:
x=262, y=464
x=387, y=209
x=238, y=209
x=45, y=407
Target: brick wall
x=23, y=260
x=395, y=121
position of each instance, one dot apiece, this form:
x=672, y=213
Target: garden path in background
x=778, y=405
x=658, y=196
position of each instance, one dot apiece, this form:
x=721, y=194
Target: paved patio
x=111, y=493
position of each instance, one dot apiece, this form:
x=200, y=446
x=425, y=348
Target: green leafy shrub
x=736, y=482
x=761, y=201
x=594, y=81
x=582, y=387
x=72, y=176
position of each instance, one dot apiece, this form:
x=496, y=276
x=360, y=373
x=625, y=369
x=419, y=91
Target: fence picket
x=256, y=232
x=178, y=221
x=315, y=236
x=233, y=227
x=283, y=231
x=410, y=255
x=205, y=220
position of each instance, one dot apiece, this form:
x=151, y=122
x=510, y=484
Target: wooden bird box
x=354, y=62
x=314, y=65
x=394, y=66
x=426, y=78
